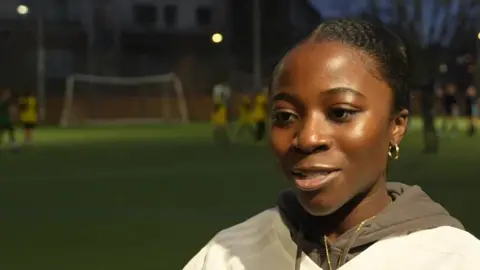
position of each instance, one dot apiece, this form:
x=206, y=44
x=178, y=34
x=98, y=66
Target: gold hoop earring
x=393, y=151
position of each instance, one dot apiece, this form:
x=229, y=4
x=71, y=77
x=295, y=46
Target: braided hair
x=383, y=46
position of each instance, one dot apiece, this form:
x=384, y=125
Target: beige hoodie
x=412, y=210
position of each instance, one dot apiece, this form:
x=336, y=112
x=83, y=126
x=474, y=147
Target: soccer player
x=339, y=114
x=7, y=118
x=28, y=115
x=219, y=119
x=221, y=94
x=245, y=125
x=451, y=109
x=220, y=124
x=471, y=108
x=259, y=115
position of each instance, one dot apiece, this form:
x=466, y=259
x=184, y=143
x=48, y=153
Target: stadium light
x=217, y=38
x=22, y=9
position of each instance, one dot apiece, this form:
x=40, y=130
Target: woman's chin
x=315, y=204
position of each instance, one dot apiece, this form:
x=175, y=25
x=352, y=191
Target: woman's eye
x=341, y=114
x=283, y=118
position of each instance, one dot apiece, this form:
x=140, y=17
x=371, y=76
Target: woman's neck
x=359, y=209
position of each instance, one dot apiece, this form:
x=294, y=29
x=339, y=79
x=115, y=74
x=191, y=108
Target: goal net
x=91, y=99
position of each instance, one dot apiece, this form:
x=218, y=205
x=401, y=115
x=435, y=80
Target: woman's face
x=332, y=124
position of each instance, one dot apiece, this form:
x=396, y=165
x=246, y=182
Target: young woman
x=220, y=124
x=338, y=113
x=28, y=115
x=259, y=115
x=8, y=115
x=451, y=109
x=245, y=124
x=471, y=108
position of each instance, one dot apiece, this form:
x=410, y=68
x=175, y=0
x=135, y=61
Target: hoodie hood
x=412, y=210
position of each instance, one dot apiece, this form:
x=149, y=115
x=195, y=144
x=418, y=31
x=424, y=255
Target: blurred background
x=123, y=170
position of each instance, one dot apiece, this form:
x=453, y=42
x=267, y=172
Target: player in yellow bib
x=28, y=115
x=259, y=115
x=219, y=116
x=220, y=124
x=219, y=120
x=245, y=124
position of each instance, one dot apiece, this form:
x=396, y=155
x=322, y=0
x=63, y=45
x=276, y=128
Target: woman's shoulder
x=440, y=240
x=252, y=230
x=450, y=239
x=244, y=241
x=442, y=247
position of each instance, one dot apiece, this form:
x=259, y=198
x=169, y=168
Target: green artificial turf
x=149, y=197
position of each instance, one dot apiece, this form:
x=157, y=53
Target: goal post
x=144, y=99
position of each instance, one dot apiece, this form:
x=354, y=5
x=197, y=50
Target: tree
x=433, y=31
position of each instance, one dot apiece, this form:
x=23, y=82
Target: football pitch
x=149, y=197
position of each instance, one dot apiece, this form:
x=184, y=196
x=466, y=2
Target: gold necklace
x=325, y=239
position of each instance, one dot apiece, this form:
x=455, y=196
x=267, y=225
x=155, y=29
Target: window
x=170, y=13
x=145, y=14
x=204, y=15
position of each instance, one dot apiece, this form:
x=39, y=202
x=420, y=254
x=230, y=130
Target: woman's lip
x=315, y=180
x=314, y=168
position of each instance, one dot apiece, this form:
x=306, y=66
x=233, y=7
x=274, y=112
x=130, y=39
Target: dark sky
x=338, y=8
x=434, y=16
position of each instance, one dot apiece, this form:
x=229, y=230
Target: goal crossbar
x=123, y=80
x=106, y=80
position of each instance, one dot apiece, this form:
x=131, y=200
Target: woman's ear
x=399, y=126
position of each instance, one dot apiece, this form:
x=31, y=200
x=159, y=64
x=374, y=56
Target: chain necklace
x=325, y=239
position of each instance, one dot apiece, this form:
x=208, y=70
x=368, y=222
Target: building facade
x=158, y=15
x=167, y=15
x=73, y=28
